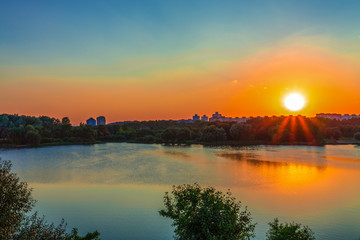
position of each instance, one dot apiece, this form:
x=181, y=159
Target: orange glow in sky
x=250, y=86
x=155, y=62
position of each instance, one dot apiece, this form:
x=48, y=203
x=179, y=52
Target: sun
x=294, y=101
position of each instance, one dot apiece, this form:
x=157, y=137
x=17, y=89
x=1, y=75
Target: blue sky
x=100, y=32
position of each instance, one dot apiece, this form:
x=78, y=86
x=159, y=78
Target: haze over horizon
x=143, y=60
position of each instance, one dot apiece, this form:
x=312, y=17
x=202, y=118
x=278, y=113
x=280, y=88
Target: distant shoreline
x=26, y=131
x=208, y=144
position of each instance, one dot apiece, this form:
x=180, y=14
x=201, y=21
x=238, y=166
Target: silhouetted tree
x=183, y=134
x=86, y=133
x=16, y=135
x=333, y=133
x=65, y=120
x=240, y=131
x=103, y=130
x=169, y=135
x=144, y=132
x=357, y=136
x=213, y=134
x=347, y=130
x=33, y=138
x=149, y=139
x=4, y=120
x=66, y=128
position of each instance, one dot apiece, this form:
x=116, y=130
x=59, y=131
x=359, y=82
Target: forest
x=23, y=131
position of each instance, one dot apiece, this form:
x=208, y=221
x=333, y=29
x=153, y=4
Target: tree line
x=43, y=130
x=33, y=131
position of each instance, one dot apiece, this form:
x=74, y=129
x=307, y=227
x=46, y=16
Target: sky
x=148, y=60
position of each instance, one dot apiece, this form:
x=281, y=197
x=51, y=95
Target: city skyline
x=222, y=118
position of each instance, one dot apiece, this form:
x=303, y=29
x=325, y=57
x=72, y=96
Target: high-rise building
x=196, y=117
x=216, y=117
x=205, y=118
x=91, y=122
x=100, y=120
x=334, y=116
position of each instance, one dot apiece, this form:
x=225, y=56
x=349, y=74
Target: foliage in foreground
x=288, y=231
x=15, y=202
x=204, y=213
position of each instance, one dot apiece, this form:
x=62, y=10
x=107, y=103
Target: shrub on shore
x=16, y=202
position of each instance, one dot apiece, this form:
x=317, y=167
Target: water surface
x=117, y=188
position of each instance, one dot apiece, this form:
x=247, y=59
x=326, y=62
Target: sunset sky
x=148, y=60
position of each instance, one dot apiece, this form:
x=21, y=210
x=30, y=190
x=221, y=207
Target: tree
x=4, y=120
x=288, y=231
x=204, y=213
x=357, y=136
x=347, y=130
x=183, y=134
x=148, y=139
x=33, y=138
x=16, y=135
x=213, y=134
x=144, y=132
x=49, y=125
x=65, y=120
x=169, y=135
x=15, y=202
x=35, y=227
x=85, y=132
x=240, y=131
x=333, y=133
x=66, y=127
x=103, y=130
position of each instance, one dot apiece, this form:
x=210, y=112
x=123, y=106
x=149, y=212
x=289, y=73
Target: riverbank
x=188, y=143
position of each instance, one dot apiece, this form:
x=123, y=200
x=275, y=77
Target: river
x=118, y=188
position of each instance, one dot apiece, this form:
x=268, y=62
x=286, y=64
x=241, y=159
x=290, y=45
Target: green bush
x=16, y=202
x=288, y=231
x=16, y=135
x=33, y=138
x=204, y=213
